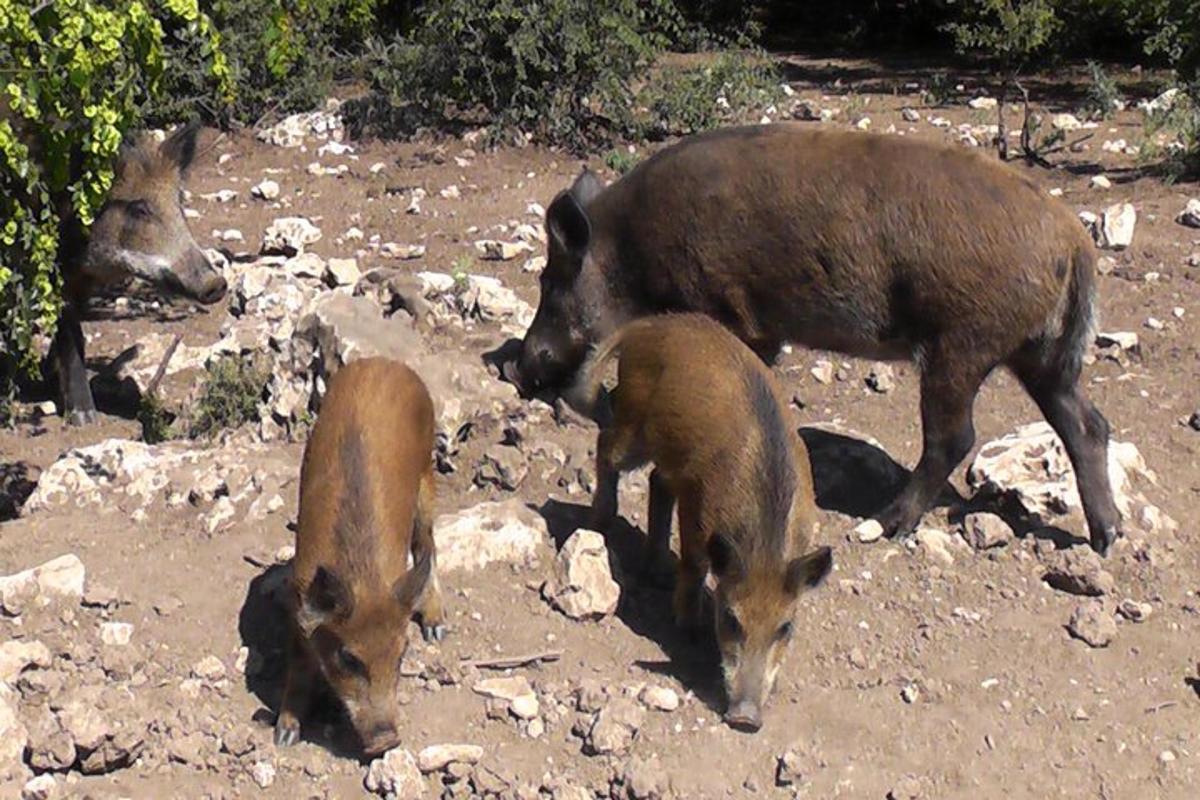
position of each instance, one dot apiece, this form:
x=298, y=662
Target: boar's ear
x=328, y=597
x=408, y=590
x=568, y=223
x=586, y=187
x=180, y=147
x=724, y=559
x=808, y=571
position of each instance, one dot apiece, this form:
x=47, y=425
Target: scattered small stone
x=502, y=466
x=984, y=531
x=823, y=371
x=43, y=787
x=395, y=776
x=935, y=544
x=116, y=634
x=220, y=196
x=17, y=656
x=1093, y=624
x=881, y=378
x=492, y=250
x=209, y=668
x=403, y=252
x=615, y=727
x=1065, y=122
x=1101, y=182
x=660, y=698
x=451, y=192
x=869, y=530
x=342, y=272
x=646, y=779
x=982, y=103
x=266, y=190
x=436, y=758
x=909, y=693
x=1190, y=216
x=289, y=236
x=1079, y=570
x=263, y=773
x=583, y=586
x=1115, y=228
x=1134, y=611
x=910, y=114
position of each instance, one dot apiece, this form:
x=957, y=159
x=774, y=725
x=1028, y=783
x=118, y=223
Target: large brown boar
x=705, y=410
x=366, y=496
x=881, y=247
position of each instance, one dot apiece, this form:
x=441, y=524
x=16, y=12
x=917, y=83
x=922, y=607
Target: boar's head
x=357, y=636
x=141, y=232
x=576, y=308
x=755, y=606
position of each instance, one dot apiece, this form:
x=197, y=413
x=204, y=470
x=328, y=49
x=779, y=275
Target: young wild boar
x=140, y=232
x=366, y=497
x=877, y=246
x=704, y=409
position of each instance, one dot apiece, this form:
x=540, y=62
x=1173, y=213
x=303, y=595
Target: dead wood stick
x=161, y=372
x=513, y=661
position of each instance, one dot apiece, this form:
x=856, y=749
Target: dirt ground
x=907, y=676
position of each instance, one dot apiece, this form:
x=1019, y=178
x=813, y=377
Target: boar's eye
x=348, y=662
x=139, y=209
x=784, y=633
x=730, y=626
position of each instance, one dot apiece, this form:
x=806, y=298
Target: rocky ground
x=992, y=655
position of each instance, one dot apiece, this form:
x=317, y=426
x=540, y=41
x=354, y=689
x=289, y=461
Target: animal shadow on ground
x=16, y=484
x=854, y=477
x=263, y=628
x=644, y=608
x=851, y=476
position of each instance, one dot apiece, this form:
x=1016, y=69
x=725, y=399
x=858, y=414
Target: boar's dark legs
x=1084, y=433
x=68, y=367
x=297, y=694
x=948, y=392
x=656, y=563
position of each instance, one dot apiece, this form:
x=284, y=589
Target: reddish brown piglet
x=366, y=495
x=698, y=403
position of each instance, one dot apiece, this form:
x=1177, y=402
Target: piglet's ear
x=808, y=571
x=327, y=598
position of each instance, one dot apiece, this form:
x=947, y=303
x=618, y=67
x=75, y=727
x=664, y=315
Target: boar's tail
x=1077, y=324
x=584, y=393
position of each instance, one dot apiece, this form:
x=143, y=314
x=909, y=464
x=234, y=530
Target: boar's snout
x=744, y=715
x=380, y=738
x=196, y=278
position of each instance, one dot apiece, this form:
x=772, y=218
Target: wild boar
x=366, y=500
x=705, y=410
x=877, y=246
x=139, y=232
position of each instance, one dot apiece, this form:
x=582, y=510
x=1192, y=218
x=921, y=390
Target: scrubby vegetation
x=230, y=395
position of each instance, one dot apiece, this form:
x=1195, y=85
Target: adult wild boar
x=880, y=247
x=140, y=232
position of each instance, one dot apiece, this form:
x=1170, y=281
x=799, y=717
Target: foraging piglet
x=694, y=400
x=366, y=497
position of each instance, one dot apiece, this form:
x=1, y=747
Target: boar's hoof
x=287, y=732
x=433, y=633
x=1105, y=539
x=897, y=522
x=81, y=417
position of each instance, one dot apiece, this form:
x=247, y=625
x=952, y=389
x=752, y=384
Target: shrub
x=685, y=100
x=559, y=70
x=284, y=56
x=620, y=160
x=230, y=396
x=156, y=420
x=1103, y=96
x=75, y=73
